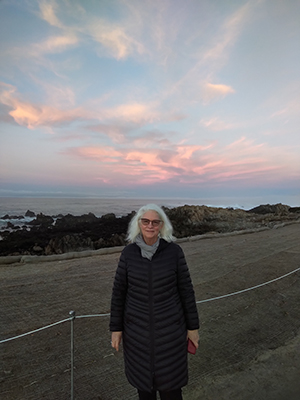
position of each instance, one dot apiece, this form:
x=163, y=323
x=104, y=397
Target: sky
x=159, y=98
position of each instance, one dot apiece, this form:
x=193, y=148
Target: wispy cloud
x=31, y=115
x=54, y=44
x=116, y=132
x=241, y=160
x=199, y=82
x=115, y=40
x=290, y=110
x=48, y=11
x=228, y=33
x=212, y=91
x=218, y=125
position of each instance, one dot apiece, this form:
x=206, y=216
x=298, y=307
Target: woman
x=153, y=308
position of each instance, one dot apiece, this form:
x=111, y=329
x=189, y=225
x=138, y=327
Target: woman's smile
x=150, y=225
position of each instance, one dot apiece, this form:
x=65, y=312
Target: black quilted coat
x=153, y=303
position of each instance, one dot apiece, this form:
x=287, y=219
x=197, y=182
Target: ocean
x=99, y=206
x=17, y=206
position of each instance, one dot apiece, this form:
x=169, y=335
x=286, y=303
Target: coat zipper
x=151, y=317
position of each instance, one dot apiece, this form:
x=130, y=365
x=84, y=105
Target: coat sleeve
x=118, y=298
x=186, y=292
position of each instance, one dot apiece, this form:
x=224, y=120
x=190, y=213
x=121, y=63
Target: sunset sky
x=131, y=98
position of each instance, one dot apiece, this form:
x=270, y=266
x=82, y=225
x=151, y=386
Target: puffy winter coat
x=153, y=304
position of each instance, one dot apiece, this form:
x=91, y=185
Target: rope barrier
x=36, y=330
x=197, y=302
x=94, y=315
x=247, y=290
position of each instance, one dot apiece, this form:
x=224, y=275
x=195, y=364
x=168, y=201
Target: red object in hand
x=191, y=347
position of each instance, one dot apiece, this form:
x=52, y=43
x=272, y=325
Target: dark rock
x=294, y=209
x=69, y=233
x=67, y=244
x=41, y=219
x=9, y=225
x=37, y=249
x=58, y=216
x=117, y=240
x=109, y=216
x=197, y=220
x=6, y=216
x=279, y=209
x=5, y=234
x=29, y=214
x=71, y=222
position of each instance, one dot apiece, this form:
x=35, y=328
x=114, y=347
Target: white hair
x=134, y=229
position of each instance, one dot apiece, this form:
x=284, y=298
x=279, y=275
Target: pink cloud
x=150, y=139
x=242, y=160
x=244, y=147
x=211, y=92
x=141, y=113
x=153, y=164
x=116, y=132
x=133, y=112
x=31, y=115
x=105, y=154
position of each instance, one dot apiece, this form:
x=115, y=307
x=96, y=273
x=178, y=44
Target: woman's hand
x=116, y=338
x=194, y=337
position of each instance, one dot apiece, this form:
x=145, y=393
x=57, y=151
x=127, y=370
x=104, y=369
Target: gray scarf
x=147, y=251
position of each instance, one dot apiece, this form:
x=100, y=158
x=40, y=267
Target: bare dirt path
x=250, y=346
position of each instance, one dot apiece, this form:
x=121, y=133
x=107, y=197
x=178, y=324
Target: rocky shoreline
x=49, y=235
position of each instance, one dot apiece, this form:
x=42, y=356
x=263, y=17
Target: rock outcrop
x=29, y=214
x=47, y=235
x=42, y=220
x=6, y=216
x=277, y=209
x=198, y=220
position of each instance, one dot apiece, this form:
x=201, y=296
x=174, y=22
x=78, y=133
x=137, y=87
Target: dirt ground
x=249, y=342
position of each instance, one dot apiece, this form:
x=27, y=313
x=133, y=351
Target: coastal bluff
x=48, y=235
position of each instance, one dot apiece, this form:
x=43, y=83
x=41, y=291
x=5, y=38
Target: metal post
x=72, y=315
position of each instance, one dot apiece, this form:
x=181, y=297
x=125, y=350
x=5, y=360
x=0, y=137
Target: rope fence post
x=72, y=317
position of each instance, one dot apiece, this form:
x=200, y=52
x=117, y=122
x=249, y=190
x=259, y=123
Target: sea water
x=17, y=206
x=97, y=206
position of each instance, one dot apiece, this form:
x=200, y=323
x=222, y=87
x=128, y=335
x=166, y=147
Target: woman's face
x=150, y=230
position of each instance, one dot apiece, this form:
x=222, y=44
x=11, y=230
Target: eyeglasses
x=154, y=222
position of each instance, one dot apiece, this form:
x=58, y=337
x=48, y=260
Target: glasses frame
x=155, y=222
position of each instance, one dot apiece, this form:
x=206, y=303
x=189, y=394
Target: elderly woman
x=153, y=308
